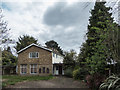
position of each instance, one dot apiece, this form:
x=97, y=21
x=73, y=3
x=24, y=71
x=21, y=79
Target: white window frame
x=34, y=52
x=23, y=67
x=33, y=69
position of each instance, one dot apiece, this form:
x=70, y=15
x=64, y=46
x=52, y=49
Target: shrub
x=76, y=67
x=68, y=72
x=76, y=74
x=94, y=81
x=111, y=83
x=80, y=73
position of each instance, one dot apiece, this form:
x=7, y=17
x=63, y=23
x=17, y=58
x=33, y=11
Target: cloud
x=62, y=22
x=68, y=23
x=66, y=15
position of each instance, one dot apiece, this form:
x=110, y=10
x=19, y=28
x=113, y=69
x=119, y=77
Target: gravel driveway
x=56, y=82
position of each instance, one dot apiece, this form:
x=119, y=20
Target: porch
x=58, y=69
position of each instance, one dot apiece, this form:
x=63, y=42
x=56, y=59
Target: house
x=38, y=60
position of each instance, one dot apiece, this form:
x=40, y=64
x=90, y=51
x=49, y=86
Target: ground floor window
x=43, y=69
x=23, y=68
x=39, y=70
x=47, y=70
x=33, y=68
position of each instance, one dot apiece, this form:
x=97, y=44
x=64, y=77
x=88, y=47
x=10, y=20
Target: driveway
x=56, y=82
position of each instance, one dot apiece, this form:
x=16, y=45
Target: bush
x=94, y=81
x=111, y=83
x=68, y=72
x=80, y=73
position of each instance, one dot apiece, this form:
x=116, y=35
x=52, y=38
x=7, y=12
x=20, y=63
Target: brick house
x=38, y=60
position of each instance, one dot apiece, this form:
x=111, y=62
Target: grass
x=12, y=79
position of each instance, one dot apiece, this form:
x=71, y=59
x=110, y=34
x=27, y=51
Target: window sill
x=33, y=73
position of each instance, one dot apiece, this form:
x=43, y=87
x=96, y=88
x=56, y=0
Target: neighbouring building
x=38, y=60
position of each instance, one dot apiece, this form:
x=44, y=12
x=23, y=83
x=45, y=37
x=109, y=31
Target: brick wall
x=44, y=60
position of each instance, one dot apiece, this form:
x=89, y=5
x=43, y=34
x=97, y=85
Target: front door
x=60, y=69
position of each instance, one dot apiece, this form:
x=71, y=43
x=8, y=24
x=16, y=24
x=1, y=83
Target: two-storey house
x=38, y=60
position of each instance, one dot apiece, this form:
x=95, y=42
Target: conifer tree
x=24, y=41
x=97, y=35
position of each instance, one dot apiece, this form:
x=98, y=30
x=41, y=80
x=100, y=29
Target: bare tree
x=4, y=31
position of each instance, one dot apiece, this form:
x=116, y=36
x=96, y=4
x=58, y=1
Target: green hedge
x=68, y=72
x=80, y=73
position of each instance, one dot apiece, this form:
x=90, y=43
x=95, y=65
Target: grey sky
x=64, y=22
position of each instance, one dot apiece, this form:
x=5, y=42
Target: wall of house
x=44, y=60
x=57, y=58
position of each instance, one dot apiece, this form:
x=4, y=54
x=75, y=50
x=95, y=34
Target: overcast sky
x=65, y=22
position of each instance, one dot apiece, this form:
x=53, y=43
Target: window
x=33, y=55
x=47, y=70
x=39, y=70
x=43, y=69
x=23, y=68
x=33, y=68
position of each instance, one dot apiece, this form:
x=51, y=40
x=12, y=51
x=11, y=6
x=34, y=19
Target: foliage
x=111, y=83
x=54, y=45
x=80, y=73
x=69, y=59
x=82, y=55
x=12, y=79
x=24, y=41
x=8, y=59
x=113, y=42
x=94, y=81
x=68, y=72
x=95, y=52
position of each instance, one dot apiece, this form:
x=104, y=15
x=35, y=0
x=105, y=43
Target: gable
x=31, y=45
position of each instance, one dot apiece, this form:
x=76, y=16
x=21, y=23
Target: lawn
x=12, y=79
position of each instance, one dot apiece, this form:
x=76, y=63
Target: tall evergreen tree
x=97, y=35
x=24, y=41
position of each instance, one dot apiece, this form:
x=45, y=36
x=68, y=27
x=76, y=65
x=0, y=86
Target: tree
x=24, y=41
x=4, y=31
x=97, y=52
x=82, y=55
x=8, y=59
x=54, y=45
x=69, y=59
x=113, y=41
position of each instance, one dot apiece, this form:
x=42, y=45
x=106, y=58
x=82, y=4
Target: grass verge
x=12, y=79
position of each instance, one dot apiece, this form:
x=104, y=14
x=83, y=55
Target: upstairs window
x=33, y=55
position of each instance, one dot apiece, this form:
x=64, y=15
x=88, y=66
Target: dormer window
x=33, y=55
